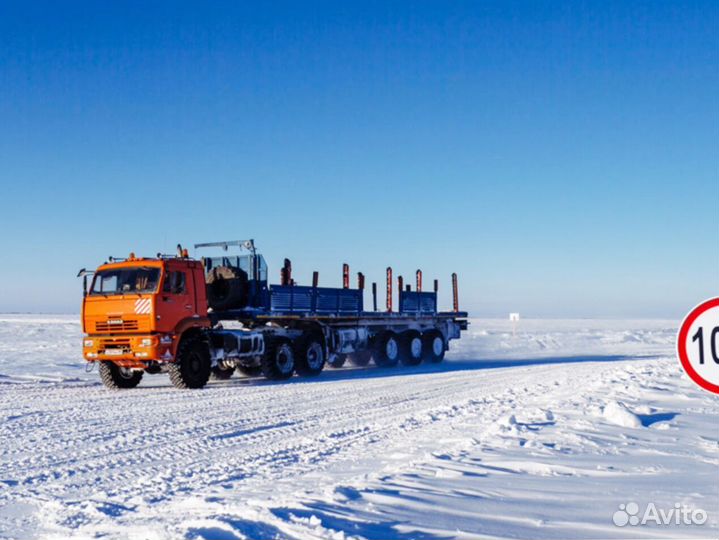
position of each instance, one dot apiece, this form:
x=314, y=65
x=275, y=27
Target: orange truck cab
x=135, y=310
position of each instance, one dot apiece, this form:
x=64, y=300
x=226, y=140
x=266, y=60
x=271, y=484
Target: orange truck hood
x=130, y=313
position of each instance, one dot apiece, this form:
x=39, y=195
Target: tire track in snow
x=158, y=443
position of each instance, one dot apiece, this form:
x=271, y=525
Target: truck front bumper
x=129, y=350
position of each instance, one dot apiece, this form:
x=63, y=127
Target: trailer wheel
x=337, y=360
x=387, y=350
x=192, y=366
x=278, y=362
x=411, y=348
x=434, y=347
x=310, y=356
x=221, y=373
x=116, y=377
x=360, y=358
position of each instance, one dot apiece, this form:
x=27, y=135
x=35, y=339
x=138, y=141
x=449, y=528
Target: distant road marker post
x=514, y=318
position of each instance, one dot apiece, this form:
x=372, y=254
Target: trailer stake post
x=455, y=294
x=419, y=280
x=345, y=276
x=286, y=273
x=360, y=281
x=389, y=289
x=374, y=295
x=436, y=285
x=315, y=278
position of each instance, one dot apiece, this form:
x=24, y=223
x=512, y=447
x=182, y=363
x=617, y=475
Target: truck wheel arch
x=190, y=327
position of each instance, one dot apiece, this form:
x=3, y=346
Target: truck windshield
x=142, y=279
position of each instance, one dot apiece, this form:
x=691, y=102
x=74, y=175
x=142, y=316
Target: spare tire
x=226, y=288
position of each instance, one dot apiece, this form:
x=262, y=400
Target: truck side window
x=179, y=285
x=174, y=283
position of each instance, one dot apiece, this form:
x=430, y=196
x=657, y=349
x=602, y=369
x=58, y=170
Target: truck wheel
x=337, y=360
x=310, y=357
x=221, y=373
x=433, y=347
x=116, y=377
x=411, y=348
x=250, y=371
x=193, y=366
x=387, y=350
x=278, y=362
x=360, y=358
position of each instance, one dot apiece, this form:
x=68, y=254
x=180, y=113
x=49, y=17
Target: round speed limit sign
x=698, y=345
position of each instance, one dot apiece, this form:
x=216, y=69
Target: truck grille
x=116, y=343
x=116, y=325
x=115, y=346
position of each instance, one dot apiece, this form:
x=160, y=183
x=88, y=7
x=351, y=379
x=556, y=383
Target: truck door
x=177, y=295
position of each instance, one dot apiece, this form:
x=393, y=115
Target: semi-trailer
x=197, y=318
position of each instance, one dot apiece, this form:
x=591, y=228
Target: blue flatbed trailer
x=323, y=325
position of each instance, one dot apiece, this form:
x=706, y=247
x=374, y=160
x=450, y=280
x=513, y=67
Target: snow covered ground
x=542, y=434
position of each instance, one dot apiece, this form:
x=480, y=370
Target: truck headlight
x=88, y=343
x=147, y=342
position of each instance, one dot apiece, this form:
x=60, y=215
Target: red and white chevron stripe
x=143, y=305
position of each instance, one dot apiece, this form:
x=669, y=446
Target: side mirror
x=84, y=273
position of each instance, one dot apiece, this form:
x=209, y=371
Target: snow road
x=541, y=434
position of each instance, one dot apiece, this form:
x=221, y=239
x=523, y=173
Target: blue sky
x=562, y=157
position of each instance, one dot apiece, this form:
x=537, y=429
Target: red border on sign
x=682, y=342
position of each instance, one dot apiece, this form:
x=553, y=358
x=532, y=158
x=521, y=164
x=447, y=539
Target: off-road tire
x=192, y=366
x=411, y=347
x=432, y=343
x=310, y=356
x=386, y=351
x=117, y=378
x=226, y=288
x=278, y=362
